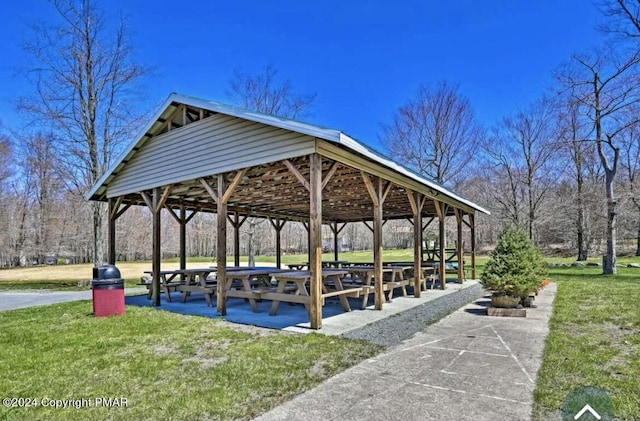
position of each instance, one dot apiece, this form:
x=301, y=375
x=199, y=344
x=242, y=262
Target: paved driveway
x=20, y=299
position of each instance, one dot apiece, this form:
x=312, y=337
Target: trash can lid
x=106, y=272
x=115, y=281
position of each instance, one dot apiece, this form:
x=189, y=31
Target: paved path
x=467, y=366
x=20, y=299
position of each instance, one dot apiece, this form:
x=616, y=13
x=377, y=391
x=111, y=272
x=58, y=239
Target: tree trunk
x=98, y=246
x=609, y=263
x=582, y=249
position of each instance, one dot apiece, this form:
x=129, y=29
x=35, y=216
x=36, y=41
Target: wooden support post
x=221, y=248
x=221, y=197
x=417, y=203
x=277, y=225
x=378, y=193
x=442, y=268
x=334, y=228
x=278, y=244
x=182, y=219
x=111, y=233
x=315, y=235
x=336, y=232
x=472, y=223
x=183, y=237
x=156, y=207
x=236, y=223
x=459, y=249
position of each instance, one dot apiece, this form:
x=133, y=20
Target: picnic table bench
x=331, y=287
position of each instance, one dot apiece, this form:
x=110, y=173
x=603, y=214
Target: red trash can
x=108, y=291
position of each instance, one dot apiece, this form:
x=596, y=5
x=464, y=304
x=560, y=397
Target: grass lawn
x=168, y=366
x=206, y=369
x=594, y=340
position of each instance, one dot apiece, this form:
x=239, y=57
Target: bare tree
x=84, y=80
x=630, y=143
x=605, y=87
x=523, y=150
x=574, y=132
x=5, y=159
x=436, y=134
x=262, y=92
x=623, y=17
x=39, y=166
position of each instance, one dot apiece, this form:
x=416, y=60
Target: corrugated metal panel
x=217, y=144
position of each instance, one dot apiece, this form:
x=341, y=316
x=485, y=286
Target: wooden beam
x=221, y=249
x=210, y=190
x=292, y=168
x=113, y=208
x=147, y=200
x=377, y=247
x=442, y=240
x=122, y=210
x=190, y=217
x=182, y=220
x=417, y=201
x=459, y=245
x=330, y=174
x=315, y=231
x=172, y=213
x=234, y=183
x=472, y=222
x=366, y=224
x=238, y=221
x=336, y=232
x=155, y=247
x=385, y=191
x=370, y=188
x=425, y=226
x=111, y=230
x=376, y=192
x=163, y=198
x=277, y=226
x=236, y=224
x=439, y=209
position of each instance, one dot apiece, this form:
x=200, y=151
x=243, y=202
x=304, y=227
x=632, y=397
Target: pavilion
x=203, y=156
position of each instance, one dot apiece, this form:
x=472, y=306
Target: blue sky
x=362, y=59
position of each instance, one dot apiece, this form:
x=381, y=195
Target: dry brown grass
x=128, y=270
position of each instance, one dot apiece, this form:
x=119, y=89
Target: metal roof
x=330, y=135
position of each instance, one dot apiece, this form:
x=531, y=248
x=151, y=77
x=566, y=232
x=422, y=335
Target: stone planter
x=504, y=301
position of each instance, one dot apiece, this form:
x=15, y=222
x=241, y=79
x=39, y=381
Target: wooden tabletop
x=304, y=274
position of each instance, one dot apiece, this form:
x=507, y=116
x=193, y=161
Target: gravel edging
x=393, y=330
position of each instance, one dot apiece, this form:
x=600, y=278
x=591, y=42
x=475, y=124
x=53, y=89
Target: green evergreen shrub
x=515, y=267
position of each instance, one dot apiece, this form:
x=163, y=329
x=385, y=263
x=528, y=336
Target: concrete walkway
x=10, y=300
x=467, y=366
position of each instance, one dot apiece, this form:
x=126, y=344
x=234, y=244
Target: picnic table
x=331, y=287
x=367, y=274
x=327, y=264
x=252, y=283
x=167, y=283
x=194, y=279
